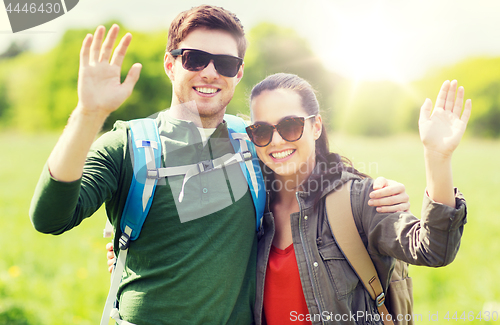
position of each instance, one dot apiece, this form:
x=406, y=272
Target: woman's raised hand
x=441, y=129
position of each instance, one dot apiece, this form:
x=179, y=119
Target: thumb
x=379, y=183
x=132, y=76
x=425, y=110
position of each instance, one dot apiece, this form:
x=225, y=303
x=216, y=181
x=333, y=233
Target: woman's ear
x=317, y=127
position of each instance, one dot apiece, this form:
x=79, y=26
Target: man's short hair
x=210, y=17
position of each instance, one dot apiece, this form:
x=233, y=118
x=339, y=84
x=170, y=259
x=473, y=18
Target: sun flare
x=365, y=47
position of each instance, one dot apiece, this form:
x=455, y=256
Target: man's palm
x=99, y=85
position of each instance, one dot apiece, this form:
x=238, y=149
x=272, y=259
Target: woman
x=301, y=273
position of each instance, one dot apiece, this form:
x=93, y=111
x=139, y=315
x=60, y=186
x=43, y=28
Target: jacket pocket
x=342, y=276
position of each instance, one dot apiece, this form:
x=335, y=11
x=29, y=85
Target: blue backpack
x=146, y=146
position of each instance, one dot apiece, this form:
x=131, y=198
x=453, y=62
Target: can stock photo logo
x=26, y=14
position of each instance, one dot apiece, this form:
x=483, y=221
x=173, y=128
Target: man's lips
x=207, y=91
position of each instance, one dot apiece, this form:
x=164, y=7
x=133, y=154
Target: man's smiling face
x=207, y=88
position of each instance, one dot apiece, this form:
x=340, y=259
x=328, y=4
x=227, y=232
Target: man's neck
x=188, y=112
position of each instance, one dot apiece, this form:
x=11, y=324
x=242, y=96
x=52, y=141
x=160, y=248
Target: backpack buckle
x=124, y=241
x=380, y=299
x=153, y=173
x=246, y=155
x=205, y=166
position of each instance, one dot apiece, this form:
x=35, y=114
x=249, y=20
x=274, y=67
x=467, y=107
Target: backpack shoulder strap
x=345, y=233
x=146, y=146
x=251, y=168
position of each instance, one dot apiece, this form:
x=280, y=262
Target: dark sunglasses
x=196, y=60
x=289, y=128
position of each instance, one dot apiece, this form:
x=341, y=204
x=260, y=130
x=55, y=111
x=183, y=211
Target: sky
x=396, y=40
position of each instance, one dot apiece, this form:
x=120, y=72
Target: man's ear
x=240, y=73
x=317, y=127
x=168, y=65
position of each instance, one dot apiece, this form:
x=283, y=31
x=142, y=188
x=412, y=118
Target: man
x=194, y=262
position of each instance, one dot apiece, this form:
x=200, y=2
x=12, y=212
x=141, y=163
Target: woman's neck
x=286, y=186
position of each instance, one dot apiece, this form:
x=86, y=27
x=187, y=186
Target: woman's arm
x=434, y=239
x=441, y=130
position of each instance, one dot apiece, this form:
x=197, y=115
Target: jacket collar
x=319, y=184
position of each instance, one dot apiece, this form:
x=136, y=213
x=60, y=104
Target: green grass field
x=63, y=280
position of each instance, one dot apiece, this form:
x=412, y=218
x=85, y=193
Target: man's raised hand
x=100, y=90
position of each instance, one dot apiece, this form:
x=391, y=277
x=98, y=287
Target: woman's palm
x=442, y=130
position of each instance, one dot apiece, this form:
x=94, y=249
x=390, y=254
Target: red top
x=284, y=301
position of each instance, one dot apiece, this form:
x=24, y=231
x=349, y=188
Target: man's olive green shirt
x=194, y=262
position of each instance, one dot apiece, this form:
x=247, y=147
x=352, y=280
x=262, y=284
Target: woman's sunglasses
x=196, y=60
x=289, y=128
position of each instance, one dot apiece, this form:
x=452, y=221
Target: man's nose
x=210, y=71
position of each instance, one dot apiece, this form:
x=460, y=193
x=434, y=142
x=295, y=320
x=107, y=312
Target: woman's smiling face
x=283, y=157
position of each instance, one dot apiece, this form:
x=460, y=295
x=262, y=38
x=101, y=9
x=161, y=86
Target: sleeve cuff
x=441, y=216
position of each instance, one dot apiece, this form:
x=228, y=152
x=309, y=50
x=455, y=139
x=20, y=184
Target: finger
x=425, y=111
x=95, y=48
x=84, y=52
x=450, y=96
x=110, y=255
x=389, y=200
x=109, y=42
x=111, y=265
x=121, y=50
x=403, y=207
x=457, y=109
x=441, y=98
x=467, y=111
x=379, y=183
x=109, y=246
x=132, y=77
x=390, y=190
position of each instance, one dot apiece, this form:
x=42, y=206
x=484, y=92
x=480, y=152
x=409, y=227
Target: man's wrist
x=89, y=116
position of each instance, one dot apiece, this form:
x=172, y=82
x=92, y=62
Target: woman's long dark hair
x=335, y=162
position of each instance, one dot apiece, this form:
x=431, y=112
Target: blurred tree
x=4, y=102
x=24, y=77
x=488, y=123
x=15, y=48
x=15, y=315
x=371, y=108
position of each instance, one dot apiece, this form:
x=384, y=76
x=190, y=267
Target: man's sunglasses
x=289, y=128
x=196, y=60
